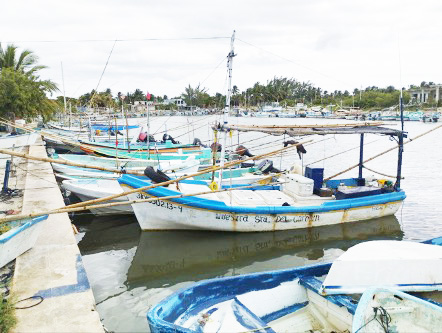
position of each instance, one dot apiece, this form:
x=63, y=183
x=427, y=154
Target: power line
x=115, y=40
x=296, y=63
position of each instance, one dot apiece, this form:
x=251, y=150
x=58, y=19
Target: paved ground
x=53, y=268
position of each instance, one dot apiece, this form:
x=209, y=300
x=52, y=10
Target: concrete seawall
x=53, y=268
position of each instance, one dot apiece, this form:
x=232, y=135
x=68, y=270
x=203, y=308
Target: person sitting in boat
x=243, y=151
x=143, y=137
x=197, y=142
x=168, y=137
x=216, y=147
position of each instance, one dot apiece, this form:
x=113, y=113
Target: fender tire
x=156, y=176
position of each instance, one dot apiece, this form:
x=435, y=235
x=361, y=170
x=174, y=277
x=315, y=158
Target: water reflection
x=130, y=271
x=168, y=257
x=105, y=233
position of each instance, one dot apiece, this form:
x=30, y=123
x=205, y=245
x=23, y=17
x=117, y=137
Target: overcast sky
x=166, y=45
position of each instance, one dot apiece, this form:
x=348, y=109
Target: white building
x=424, y=94
x=177, y=101
x=142, y=106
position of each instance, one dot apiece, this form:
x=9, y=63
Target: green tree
x=138, y=95
x=21, y=96
x=22, y=92
x=195, y=96
x=25, y=62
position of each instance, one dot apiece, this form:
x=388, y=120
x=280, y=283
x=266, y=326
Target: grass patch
x=7, y=314
x=4, y=228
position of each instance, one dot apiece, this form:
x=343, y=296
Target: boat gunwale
x=220, y=206
x=16, y=230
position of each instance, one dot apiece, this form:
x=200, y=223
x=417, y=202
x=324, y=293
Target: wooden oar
x=86, y=206
x=382, y=153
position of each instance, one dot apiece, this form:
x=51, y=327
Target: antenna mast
x=227, y=106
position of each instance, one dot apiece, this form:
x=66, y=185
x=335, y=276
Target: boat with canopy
x=297, y=201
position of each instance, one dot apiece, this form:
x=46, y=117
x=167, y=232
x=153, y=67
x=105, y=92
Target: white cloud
x=336, y=45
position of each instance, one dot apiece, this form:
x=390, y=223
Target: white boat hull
x=93, y=189
x=168, y=215
x=186, y=166
x=17, y=141
x=19, y=239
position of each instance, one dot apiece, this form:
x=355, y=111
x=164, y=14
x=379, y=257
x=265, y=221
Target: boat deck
x=249, y=198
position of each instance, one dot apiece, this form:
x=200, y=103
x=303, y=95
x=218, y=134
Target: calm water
x=130, y=270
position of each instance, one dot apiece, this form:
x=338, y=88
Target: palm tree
x=24, y=63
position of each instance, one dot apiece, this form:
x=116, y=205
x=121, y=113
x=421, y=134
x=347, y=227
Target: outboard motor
x=157, y=176
x=266, y=166
x=243, y=151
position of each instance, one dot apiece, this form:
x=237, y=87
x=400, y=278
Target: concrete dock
x=53, y=268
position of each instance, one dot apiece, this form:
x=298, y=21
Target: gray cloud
x=336, y=45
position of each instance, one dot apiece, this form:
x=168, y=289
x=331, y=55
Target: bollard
x=6, y=179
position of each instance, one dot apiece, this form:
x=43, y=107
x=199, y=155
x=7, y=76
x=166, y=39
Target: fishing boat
x=289, y=206
x=89, y=184
x=92, y=189
x=203, y=154
x=168, y=145
x=20, y=237
x=140, y=151
x=301, y=200
x=85, y=129
x=389, y=310
x=189, y=165
x=290, y=300
x=17, y=141
x=60, y=146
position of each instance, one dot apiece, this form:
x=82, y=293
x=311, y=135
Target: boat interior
x=293, y=306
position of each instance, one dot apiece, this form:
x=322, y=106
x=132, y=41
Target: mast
x=148, y=125
x=227, y=107
x=64, y=95
x=401, y=145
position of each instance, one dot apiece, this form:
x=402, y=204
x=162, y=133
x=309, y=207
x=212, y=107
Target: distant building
x=424, y=94
x=142, y=106
x=177, y=101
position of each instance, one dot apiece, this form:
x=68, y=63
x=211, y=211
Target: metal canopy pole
x=361, y=155
x=399, y=161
